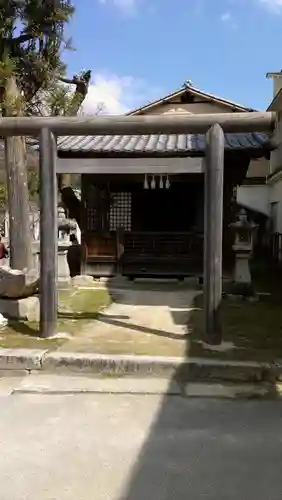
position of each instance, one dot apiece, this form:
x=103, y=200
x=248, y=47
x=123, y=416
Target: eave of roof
x=157, y=145
x=193, y=90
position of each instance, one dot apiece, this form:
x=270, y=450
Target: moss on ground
x=80, y=304
x=76, y=308
x=255, y=328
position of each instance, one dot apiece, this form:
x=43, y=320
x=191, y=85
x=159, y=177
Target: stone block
x=21, y=359
x=27, y=309
x=15, y=283
x=179, y=369
x=109, y=364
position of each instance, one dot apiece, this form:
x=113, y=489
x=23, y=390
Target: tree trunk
x=17, y=186
x=69, y=198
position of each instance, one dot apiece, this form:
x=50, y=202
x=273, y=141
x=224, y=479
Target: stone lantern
x=64, y=224
x=244, y=232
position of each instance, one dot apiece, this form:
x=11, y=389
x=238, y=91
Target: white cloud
x=228, y=19
x=273, y=5
x=117, y=95
x=225, y=17
x=126, y=6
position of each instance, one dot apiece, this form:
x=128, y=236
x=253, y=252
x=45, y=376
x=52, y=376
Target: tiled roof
x=162, y=143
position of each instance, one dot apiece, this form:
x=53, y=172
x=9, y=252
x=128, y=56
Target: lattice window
x=92, y=219
x=120, y=211
x=96, y=208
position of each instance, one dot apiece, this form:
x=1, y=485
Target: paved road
x=138, y=447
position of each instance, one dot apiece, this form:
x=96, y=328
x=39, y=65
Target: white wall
x=275, y=196
x=275, y=184
x=263, y=198
x=259, y=168
x=254, y=197
x=276, y=155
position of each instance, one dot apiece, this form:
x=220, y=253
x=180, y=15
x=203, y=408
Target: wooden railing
x=163, y=244
x=161, y=253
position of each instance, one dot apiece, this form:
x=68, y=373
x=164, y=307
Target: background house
x=274, y=179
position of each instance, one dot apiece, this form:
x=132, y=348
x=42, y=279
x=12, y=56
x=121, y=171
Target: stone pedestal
x=21, y=309
x=242, y=269
x=63, y=268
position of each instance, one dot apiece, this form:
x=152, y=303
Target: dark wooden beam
x=131, y=125
x=119, y=249
x=213, y=233
x=48, y=235
x=84, y=181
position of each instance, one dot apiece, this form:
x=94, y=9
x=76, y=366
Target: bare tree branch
x=26, y=37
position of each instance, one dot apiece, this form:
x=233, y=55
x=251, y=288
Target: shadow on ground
x=76, y=315
x=143, y=297
x=171, y=294
x=23, y=328
x=213, y=449
x=208, y=448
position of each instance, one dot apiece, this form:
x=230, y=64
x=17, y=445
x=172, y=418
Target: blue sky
x=139, y=50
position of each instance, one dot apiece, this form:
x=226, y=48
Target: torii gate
x=213, y=125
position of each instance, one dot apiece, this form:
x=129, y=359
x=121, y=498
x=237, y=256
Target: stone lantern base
x=242, y=269
x=242, y=280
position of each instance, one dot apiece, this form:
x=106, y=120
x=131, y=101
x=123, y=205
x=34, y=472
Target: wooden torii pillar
x=48, y=234
x=214, y=172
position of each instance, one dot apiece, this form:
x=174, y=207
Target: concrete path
x=142, y=320
x=136, y=447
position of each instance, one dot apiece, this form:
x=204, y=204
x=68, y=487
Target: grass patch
x=82, y=304
x=255, y=328
x=76, y=309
